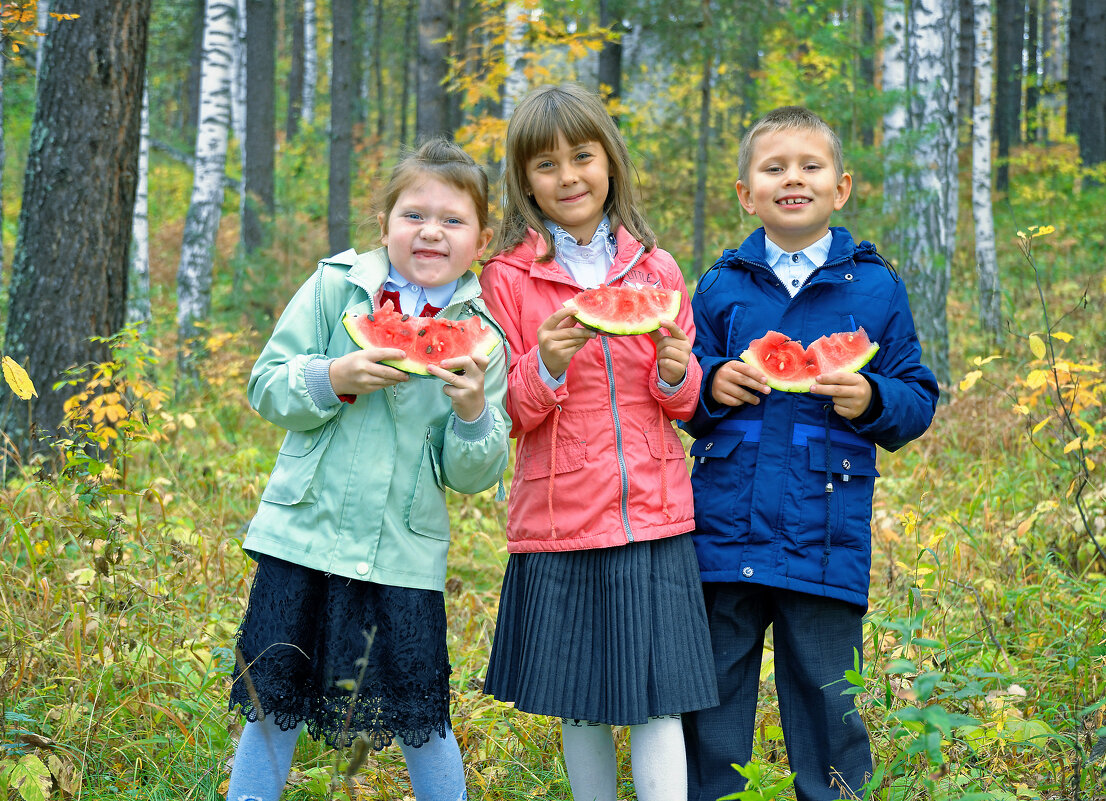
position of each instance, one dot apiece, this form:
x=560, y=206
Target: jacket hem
x=605, y=540
x=733, y=576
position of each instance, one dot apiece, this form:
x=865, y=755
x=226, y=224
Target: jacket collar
x=525, y=257
x=370, y=270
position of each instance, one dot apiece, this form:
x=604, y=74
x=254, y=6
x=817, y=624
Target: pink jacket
x=588, y=467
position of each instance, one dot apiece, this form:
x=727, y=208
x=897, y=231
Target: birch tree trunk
x=42, y=19
x=990, y=297
x=514, y=48
x=138, y=284
x=205, y=207
x=894, y=121
x=310, y=60
x=69, y=272
x=238, y=78
x=929, y=226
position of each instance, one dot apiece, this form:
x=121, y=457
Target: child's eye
x=584, y=156
x=412, y=215
x=454, y=221
x=543, y=165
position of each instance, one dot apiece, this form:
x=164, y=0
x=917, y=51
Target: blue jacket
x=760, y=475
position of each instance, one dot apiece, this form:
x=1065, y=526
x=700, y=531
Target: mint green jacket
x=358, y=490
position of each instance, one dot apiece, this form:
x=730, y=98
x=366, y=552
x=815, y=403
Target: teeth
x=793, y=201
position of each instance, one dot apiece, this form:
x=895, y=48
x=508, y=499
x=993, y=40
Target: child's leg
x=435, y=769
x=262, y=761
x=718, y=737
x=658, y=759
x=590, y=761
x=824, y=735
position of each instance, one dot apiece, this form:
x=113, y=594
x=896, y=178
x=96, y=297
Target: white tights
x=656, y=756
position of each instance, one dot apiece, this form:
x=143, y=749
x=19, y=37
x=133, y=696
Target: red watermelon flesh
x=624, y=309
x=424, y=340
x=790, y=367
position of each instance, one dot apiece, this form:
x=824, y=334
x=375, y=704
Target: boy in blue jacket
x=783, y=480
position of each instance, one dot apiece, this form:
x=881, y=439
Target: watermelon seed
x=422, y=332
x=429, y=349
x=371, y=319
x=405, y=318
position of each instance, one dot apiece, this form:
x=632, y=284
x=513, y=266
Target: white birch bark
x=514, y=48
x=310, y=60
x=929, y=225
x=204, y=210
x=894, y=120
x=42, y=19
x=138, y=289
x=990, y=299
x=238, y=94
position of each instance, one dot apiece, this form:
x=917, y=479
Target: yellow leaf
x=1021, y=408
x=188, y=421
x=1037, y=345
x=1071, y=446
x=979, y=361
x=1045, y=230
x=18, y=379
x=1024, y=526
x=1062, y=336
x=1037, y=428
x=1087, y=460
x=969, y=380
x=1036, y=379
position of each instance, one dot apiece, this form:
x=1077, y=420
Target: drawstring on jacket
x=553, y=466
x=661, y=420
x=829, y=487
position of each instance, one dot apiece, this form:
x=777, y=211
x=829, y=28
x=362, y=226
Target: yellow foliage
x=18, y=379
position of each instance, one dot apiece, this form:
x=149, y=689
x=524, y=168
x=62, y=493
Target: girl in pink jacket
x=601, y=617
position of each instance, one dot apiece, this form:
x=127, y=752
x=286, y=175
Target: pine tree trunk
x=1090, y=100
x=259, y=165
x=341, y=124
x=966, y=50
x=610, y=57
x=867, y=65
x=1009, y=36
x=929, y=226
x=378, y=68
x=409, y=39
x=294, y=16
x=432, y=106
x=990, y=296
x=1033, y=82
x=138, y=294
x=205, y=208
x=69, y=272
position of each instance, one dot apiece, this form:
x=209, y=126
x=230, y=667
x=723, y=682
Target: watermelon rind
x=484, y=345
x=850, y=365
x=614, y=327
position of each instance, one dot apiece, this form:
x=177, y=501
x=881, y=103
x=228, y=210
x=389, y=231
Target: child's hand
x=559, y=338
x=673, y=352
x=465, y=389
x=360, y=372
x=851, y=392
x=735, y=383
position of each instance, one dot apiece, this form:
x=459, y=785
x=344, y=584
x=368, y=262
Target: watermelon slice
x=792, y=368
x=624, y=310
x=424, y=340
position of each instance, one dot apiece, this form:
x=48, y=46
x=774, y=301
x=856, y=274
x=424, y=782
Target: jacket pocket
x=717, y=445
x=427, y=513
x=853, y=472
x=293, y=479
x=673, y=448
x=571, y=455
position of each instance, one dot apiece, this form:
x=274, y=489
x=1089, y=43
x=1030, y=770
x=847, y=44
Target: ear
x=844, y=189
x=745, y=197
x=484, y=241
x=382, y=221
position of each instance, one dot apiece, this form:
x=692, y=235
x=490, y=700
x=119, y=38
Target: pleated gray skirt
x=611, y=635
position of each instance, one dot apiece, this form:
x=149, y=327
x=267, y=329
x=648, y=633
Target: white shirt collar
x=816, y=252
x=566, y=243
x=437, y=296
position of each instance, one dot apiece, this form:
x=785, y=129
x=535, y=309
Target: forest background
x=133, y=463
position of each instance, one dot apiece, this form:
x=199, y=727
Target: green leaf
x=30, y=778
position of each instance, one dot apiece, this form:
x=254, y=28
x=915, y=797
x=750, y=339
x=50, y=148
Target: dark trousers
x=814, y=640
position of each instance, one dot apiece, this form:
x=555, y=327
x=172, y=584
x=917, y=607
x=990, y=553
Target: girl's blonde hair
x=445, y=160
x=579, y=116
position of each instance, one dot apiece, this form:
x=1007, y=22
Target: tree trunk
x=205, y=208
x=894, y=121
x=238, y=85
x=515, y=84
x=257, y=173
x=990, y=295
x=195, y=59
x=294, y=16
x=1033, y=80
x=702, y=150
x=966, y=48
x=929, y=226
x=1090, y=100
x=3, y=160
x=310, y=60
x=1053, y=64
x=69, y=273
x=378, y=68
x=610, y=57
x=42, y=20
x=1009, y=35
x=459, y=53
x=409, y=40
x=431, y=103
x=867, y=65
x=341, y=124
x=357, y=62
x=138, y=292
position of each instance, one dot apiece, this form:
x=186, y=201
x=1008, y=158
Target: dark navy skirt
x=343, y=656
x=610, y=635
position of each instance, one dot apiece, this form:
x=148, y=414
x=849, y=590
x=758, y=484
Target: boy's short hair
x=787, y=118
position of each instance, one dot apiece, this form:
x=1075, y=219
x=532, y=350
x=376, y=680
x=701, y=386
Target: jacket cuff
x=316, y=374
x=477, y=429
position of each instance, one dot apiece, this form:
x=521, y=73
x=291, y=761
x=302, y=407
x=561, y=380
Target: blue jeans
x=814, y=639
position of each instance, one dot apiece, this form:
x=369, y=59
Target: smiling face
x=793, y=186
x=570, y=185
x=433, y=232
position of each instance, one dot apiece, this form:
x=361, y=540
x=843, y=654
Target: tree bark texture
x=260, y=121
x=894, y=120
x=966, y=56
x=1089, y=101
x=409, y=40
x=990, y=294
x=341, y=124
x=205, y=208
x=702, y=153
x=1009, y=36
x=69, y=274
x=294, y=16
x=310, y=59
x=610, y=57
x=432, y=103
x=1032, y=66
x=514, y=46
x=138, y=293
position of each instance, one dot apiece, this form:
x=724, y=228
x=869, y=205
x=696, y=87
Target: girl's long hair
x=579, y=116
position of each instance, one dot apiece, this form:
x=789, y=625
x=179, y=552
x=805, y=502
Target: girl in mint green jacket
x=345, y=628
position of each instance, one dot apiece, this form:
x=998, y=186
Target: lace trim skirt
x=305, y=644
x=612, y=635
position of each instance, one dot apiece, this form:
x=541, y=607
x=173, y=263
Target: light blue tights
x=264, y=757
